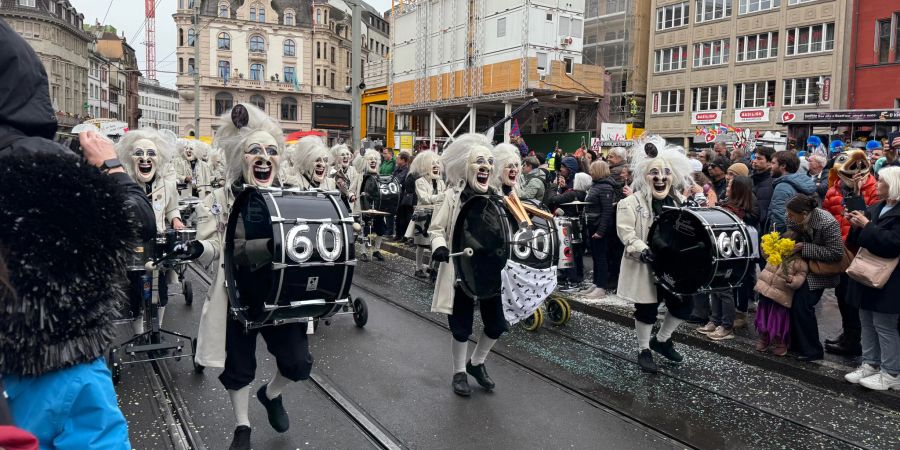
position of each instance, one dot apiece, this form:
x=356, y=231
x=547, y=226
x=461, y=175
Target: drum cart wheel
x=558, y=310
x=115, y=366
x=534, y=321
x=360, y=312
x=188, y=292
x=198, y=368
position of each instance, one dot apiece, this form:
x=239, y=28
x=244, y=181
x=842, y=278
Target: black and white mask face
x=145, y=157
x=261, y=157
x=319, y=169
x=481, y=165
x=372, y=161
x=189, y=153
x=437, y=170
x=659, y=179
x=509, y=174
x=345, y=156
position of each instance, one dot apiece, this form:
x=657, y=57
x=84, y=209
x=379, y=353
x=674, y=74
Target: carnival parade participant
x=309, y=165
x=146, y=156
x=253, y=145
x=191, y=169
x=657, y=183
x=216, y=161
x=343, y=172
x=468, y=165
x=368, y=197
x=507, y=168
x=430, y=187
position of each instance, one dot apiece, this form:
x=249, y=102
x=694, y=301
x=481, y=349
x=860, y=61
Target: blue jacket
x=786, y=187
x=72, y=408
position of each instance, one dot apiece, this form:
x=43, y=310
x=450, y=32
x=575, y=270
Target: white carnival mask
x=145, y=157
x=436, y=170
x=261, y=156
x=509, y=174
x=189, y=152
x=319, y=169
x=372, y=162
x=659, y=179
x=481, y=164
x=345, y=156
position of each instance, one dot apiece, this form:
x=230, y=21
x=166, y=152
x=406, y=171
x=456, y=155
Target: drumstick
x=535, y=211
x=512, y=209
x=466, y=252
x=518, y=204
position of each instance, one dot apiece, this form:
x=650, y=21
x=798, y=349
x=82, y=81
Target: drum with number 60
x=289, y=256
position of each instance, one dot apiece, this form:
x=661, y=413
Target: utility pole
x=355, y=74
x=197, y=71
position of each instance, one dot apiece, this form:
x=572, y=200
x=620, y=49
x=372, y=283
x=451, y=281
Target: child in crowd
x=776, y=286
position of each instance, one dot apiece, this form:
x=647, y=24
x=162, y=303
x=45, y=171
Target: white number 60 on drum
x=300, y=247
x=539, y=244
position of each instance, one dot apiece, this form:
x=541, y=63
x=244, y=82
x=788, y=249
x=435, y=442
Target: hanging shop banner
x=857, y=115
x=613, y=131
x=751, y=115
x=706, y=117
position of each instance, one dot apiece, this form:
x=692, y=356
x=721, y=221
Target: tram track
x=609, y=354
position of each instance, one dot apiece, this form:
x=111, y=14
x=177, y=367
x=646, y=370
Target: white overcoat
x=212, y=217
x=425, y=196
x=441, y=230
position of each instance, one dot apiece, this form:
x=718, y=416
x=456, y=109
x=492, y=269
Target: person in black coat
x=878, y=231
x=581, y=182
x=762, y=184
x=599, y=219
x=404, y=206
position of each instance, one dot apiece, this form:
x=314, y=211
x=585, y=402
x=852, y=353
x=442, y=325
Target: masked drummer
x=508, y=166
x=427, y=171
x=253, y=146
x=146, y=155
x=309, y=162
x=343, y=173
x=191, y=170
x=368, y=198
x=659, y=174
x=468, y=164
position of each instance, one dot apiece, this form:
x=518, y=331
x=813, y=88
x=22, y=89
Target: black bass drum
x=700, y=250
x=289, y=256
x=538, y=247
x=390, y=193
x=483, y=226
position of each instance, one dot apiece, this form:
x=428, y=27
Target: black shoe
x=844, y=349
x=364, y=257
x=241, y=439
x=696, y=320
x=420, y=274
x=809, y=358
x=377, y=255
x=667, y=349
x=480, y=374
x=645, y=360
x=278, y=417
x=836, y=340
x=461, y=384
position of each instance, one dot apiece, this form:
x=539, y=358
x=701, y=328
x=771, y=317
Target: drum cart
x=187, y=206
x=555, y=309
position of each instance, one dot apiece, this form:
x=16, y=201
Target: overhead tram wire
x=138, y=32
x=107, y=12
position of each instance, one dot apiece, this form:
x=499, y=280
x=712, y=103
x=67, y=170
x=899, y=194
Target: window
x=223, y=103
x=318, y=16
x=289, y=74
x=180, y=37
x=564, y=25
x=288, y=109
x=883, y=38
x=501, y=27
x=549, y=17
x=223, y=9
x=811, y=39
x=757, y=46
x=332, y=80
x=332, y=55
x=797, y=2
x=290, y=49
x=710, y=98
x=257, y=44
x=570, y=64
x=668, y=102
x=224, y=41
x=253, y=14
x=289, y=18
x=752, y=6
x=542, y=65
x=52, y=6
x=26, y=3
x=668, y=59
x=672, y=16
x=224, y=69
x=192, y=37
x=261, y=14
x=612, y=55
x=712, y=10
x=614, y=6
x=258, y=101
x=801, y=91
x=180, y=65
x=318, y=77
x=190, y=66
x=318, y=50
x=576, y=30
x=754, y=95
x=257, y=72
x=711, y=53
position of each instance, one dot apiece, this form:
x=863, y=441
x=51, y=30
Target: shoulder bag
x=870, y=270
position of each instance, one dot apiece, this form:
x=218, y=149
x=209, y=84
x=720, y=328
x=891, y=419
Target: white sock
x=378, y=240
x=420, y=253
x=240, y=403
x=138, y=324
x=458, y=352
x=162, y=312
x=643, y=334
x=482, y=349
x=276, y=385
x=669, y=325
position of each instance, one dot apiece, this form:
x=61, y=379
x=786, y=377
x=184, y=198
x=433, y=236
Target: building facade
x=158, y=105
x=114, y=69
x=53, y=28
x=281, y=56
x=875, y=70
x=744, y=64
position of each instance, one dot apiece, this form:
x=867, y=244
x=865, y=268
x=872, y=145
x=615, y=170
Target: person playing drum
x=468, y=164
x=430, y=187
x=343, y=172
x=309, y=165
x=253, y=145
x=146, y=155
x=368, y=198
x=658, y=180
x=191, y=169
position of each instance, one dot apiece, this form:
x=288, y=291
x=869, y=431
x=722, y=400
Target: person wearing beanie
x=890, y=153
x=567, y=172
x=737, y=169
x=718, y=168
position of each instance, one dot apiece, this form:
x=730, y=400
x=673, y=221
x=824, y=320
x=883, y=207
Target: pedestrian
x=776, y=286
x=717, y=169
x=386, y=169
x=786, y=183
x=761, y=163
x=406, y=199
x=890, y=153
x=878, y=232
x=581, y=182
x=534, y=179
x=428, y=173
x=721, y=150
x=368, y=197
x=817, y=173
x=599, y=219
x=818, y=237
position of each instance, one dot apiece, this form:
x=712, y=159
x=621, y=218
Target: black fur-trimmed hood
x=65, y=231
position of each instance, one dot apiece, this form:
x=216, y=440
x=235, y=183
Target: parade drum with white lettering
x=564, y=233
x=421, y=219
x=484, y=226
x=288, y=256
x=700, y=250
x=538, y=246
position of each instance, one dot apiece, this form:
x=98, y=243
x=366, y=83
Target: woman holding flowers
x=784, y=273
x=818, y=236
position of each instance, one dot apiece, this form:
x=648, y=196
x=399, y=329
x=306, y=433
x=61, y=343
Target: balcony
x=244, y=83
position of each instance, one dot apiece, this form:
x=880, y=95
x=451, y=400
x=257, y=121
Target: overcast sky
x=128, y=17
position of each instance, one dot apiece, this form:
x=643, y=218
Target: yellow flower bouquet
x=779, y=251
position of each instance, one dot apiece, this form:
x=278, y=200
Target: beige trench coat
x=212, y=217
x=424, y=197
x=201, y=176
x=441, y=229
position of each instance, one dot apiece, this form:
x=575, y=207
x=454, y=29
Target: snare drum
x=700, y=250
x=421, y=219
x=289, y=256
x=564, y=232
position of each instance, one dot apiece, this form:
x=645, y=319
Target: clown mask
x=509, y=174
x=372, y=161
x=189, y=152
x=261, y=156
x=481, y=164
x=318, y=170
x=344, y=158
x=659, y=178
x=145, y=158
x=436, y=170
x=852, y=164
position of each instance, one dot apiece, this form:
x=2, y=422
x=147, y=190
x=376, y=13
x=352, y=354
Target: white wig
x=456, y=155
x=231, y=136
x=678, y=163
x=504, y=154
x=336, y=153
x=422, y=163
x=201, y=149
x=305, y=153
x=360, y=162
x=165, y=148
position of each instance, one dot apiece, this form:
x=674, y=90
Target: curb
x=825, y=374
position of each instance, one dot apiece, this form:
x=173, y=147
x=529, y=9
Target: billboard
x=331, y=116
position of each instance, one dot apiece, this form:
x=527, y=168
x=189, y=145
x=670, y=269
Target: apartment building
x=159, y=106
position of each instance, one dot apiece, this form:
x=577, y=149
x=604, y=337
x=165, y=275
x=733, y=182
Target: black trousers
x=804, y=327
x=614, y=258
x=852, y=328
x=464, y=315
x=679, y=306
x=599, y=249
x=287, y=343
x=136, y=292
x=404, y=214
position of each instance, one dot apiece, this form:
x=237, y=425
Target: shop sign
x=751, y=115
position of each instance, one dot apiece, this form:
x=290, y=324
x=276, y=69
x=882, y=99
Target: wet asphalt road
x=397, y=369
